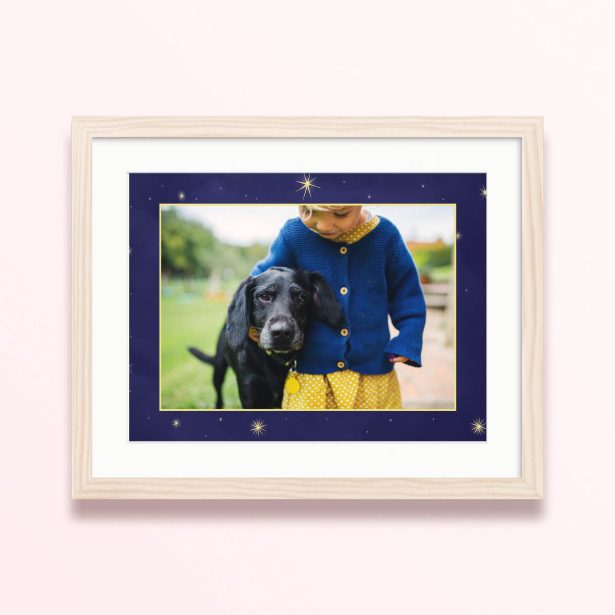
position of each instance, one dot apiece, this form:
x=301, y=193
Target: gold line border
x=182, y=204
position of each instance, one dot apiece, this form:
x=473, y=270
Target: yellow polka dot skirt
x=343, y=390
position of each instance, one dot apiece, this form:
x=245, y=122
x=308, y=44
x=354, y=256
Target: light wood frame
x=528, y=129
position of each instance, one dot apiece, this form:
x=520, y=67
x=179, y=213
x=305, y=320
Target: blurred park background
x=207, y=250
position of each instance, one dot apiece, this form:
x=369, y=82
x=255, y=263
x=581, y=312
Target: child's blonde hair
x=305, y=211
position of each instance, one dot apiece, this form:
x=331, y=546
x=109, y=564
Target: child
x=365, y=260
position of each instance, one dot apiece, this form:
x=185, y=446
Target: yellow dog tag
x=292, y=385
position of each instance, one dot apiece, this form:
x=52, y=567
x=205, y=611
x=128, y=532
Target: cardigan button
x=341, y=364
x=344, y=290
x=343, y=250
x=344, y=332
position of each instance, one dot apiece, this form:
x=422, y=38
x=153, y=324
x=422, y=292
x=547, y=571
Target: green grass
x=188, y=319
x=441, y=274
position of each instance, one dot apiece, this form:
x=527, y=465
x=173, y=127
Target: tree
x=187, y=246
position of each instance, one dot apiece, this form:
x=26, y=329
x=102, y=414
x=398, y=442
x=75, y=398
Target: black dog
x=267, y=320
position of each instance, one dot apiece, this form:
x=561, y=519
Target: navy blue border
x=148, y=190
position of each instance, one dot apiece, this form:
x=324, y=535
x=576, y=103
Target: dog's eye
x=266, y=297
x=301, y=299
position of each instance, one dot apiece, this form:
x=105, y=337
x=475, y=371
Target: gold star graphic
x=306, y=185
x=478, y=426
x=181, y=195
x=176, y=423
x=258, y=427
x=483, y=191
x=459, y=235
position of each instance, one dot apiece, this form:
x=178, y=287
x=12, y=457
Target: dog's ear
x=239, y=314
x=326, y=306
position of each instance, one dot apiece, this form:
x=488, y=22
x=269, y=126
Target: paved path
x=433, y=385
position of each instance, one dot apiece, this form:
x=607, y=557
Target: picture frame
x=120, y=481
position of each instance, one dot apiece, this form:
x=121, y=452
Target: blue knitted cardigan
x=381, y=279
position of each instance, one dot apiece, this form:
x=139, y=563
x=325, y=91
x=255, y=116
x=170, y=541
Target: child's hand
x=396, y=358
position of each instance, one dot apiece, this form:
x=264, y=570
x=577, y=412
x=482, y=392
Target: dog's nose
x=281, y=332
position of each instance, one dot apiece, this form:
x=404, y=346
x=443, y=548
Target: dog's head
x=273, y=309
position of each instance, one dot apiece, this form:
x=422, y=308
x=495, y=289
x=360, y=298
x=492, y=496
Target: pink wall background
x=67, y=58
